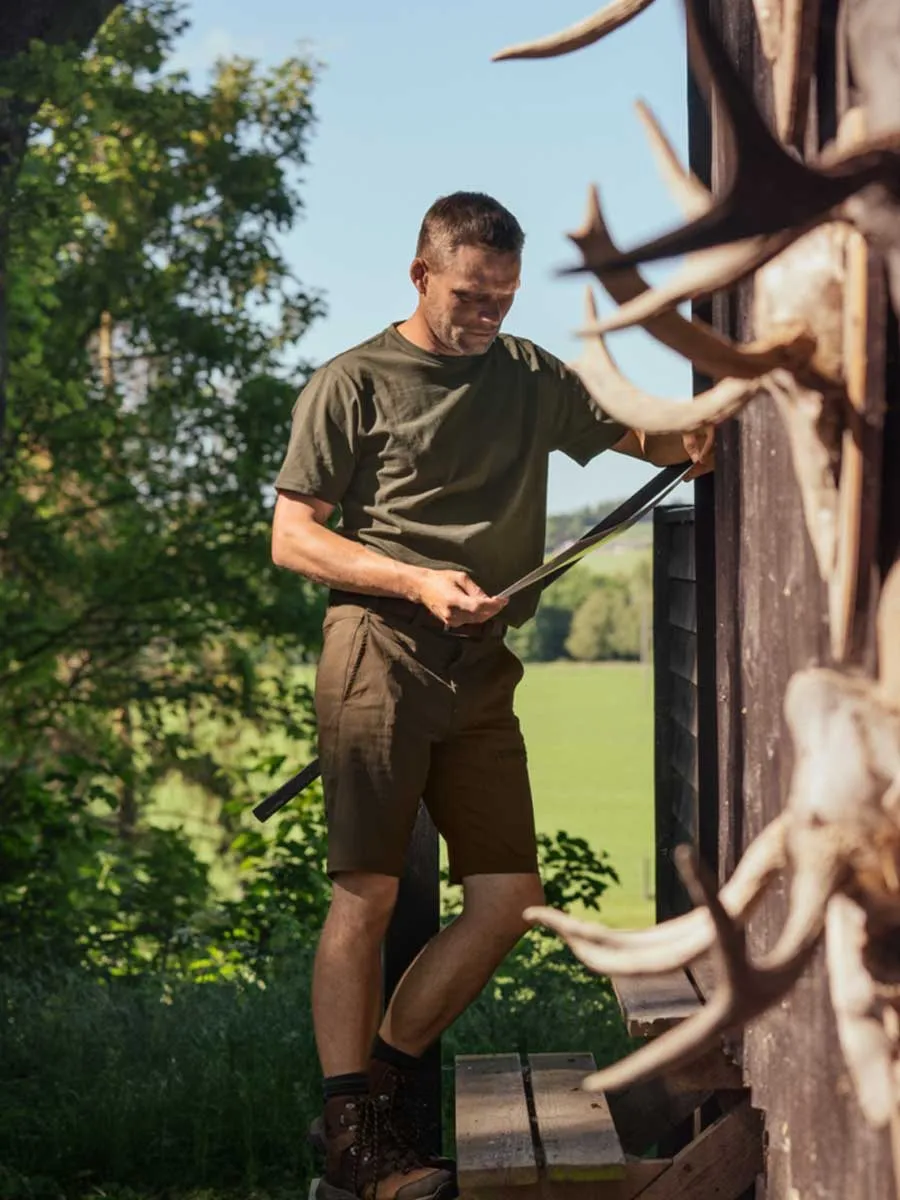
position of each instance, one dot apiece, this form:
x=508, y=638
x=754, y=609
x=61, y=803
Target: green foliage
x=285, y=893
x=156, y=1082
x=149, y=399
x=606, y=626
x=590, y=617
x=543, y=638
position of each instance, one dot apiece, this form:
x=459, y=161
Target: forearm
x=324, y=556
x=665, y=449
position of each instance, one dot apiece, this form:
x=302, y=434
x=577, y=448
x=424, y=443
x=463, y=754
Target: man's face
x=465, y=294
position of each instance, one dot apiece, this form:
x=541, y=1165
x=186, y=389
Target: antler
x=889, y=638
x=791, y=346
x=872, y=1054
x=746, y=989
x=768, y=192
x=626, y=403
x=611, y=17
x=788, y=32
x=679, y=942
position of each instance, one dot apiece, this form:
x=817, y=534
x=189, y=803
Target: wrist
x=410, y=581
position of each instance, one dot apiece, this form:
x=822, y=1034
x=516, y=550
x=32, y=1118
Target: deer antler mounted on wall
x=811, y=357
x=787, y=31
x=839, y=836
x=791, y=225
x=768, y=190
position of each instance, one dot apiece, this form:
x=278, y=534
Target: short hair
x=469, y=219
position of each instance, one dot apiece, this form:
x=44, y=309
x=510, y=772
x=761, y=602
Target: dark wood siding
x=675, y=698
x=771, y=621
x=684, y=695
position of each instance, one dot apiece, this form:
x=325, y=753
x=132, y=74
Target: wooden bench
x=528, y=1130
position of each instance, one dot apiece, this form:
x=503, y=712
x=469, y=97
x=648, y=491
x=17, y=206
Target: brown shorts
x=408, y=712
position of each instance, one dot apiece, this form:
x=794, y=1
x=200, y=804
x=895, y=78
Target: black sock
x=385, y=1052
x=356, y=1083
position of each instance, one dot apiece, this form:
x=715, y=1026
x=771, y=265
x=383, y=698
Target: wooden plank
x=684, y=703
x=494, y=1146
x=684, y=754
x=647, y=1113
x=639, y=1174
x=651, y=1006
x=714, y=1072
x=682, y=654
x=682, y=611
x=704, y=975
x=668, y=898
x=575, y=1128
x=683, y=565
x=721, y=1163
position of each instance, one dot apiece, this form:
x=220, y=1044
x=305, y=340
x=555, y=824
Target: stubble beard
x=459, y=341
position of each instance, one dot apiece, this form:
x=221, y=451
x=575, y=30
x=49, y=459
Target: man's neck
x=417, y=330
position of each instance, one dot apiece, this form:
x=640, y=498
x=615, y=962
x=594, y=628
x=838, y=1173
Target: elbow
x=280, y=556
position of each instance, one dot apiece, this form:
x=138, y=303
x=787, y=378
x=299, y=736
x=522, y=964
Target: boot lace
x=379, y=1148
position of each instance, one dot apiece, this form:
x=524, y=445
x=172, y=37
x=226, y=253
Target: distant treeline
x=591, y=618
x=566, y=527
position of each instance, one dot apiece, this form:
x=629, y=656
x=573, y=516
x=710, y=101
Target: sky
x=410, y=107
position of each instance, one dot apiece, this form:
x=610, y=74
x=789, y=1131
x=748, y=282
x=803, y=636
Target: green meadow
x=589, y=730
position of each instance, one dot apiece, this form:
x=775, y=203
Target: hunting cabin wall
x=684, y=718
x=771, y=620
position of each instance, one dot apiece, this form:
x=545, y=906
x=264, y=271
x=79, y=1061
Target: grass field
x=589, y=730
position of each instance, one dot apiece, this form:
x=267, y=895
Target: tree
x=150, y=310
x=543, y=638
x=607, y=625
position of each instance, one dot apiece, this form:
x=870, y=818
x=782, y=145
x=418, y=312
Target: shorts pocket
x=355, y=652
x=343, y=644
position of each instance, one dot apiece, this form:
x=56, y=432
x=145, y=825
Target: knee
x=362, y=905
x=502, y=900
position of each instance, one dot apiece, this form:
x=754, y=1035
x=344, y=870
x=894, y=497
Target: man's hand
x=669, y=449
x=454, y=598
x=700, y=448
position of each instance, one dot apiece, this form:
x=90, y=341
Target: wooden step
x=575, y=1128
x=533, y=1128
x=652, y=1004
x=494, y=1146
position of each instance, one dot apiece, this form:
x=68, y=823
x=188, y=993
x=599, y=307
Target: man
x=433, y=439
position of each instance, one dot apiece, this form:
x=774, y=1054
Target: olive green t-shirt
x=441, y=461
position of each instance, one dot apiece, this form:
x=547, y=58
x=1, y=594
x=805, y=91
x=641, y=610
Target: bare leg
x=456, y=964
x=346, y=988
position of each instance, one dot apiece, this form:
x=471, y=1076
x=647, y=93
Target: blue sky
x=409, y=107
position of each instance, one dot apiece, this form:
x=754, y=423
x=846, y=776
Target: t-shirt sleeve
x=323, y=447
x=578, y=425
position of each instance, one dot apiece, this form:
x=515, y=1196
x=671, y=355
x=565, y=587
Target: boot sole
x=327, y=1191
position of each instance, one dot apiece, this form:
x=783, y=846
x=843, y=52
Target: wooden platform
x=528, y=1130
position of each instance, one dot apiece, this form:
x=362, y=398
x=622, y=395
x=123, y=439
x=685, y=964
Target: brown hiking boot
x=400, y=1091
x=365, y=1160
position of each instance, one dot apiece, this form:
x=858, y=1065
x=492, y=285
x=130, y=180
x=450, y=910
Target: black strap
x=283, y=795
x=619, y=519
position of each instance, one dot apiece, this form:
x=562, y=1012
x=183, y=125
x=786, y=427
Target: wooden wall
x=674, y=699
x=770, y=621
